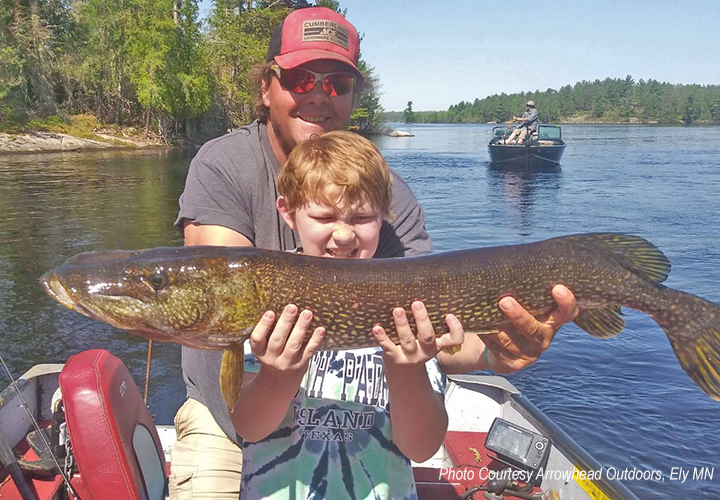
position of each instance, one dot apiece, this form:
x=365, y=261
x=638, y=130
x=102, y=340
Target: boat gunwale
x=575, y=453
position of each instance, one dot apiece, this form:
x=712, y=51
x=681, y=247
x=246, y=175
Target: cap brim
x=299, y=57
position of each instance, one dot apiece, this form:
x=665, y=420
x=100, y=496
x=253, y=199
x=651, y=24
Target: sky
x=438, y=53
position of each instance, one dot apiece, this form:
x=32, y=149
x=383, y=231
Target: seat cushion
x=105, y=414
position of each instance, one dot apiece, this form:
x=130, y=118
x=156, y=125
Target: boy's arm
x=264, y=401
x=417, y=414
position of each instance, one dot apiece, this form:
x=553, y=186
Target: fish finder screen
x=512, y=441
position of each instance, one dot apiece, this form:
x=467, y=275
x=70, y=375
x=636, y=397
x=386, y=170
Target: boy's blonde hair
x=344, y=161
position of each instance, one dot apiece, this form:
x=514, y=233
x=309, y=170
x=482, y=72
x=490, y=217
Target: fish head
x=170, y=294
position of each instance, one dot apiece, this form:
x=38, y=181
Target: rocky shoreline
x=48, y=142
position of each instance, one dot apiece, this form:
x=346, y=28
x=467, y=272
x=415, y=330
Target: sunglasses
x=303, y=81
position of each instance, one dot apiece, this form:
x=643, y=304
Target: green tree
x=148, y=42
x=237, y=39
x=185, y=80
x=690, y=110
x=714, y=108
x=408, y=114
x=106, y=52
x=32, y=33
x=367, y=116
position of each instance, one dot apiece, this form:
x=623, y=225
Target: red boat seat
x=116, y=446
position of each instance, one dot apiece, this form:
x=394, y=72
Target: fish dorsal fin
x=603, y=322
x=632, y=252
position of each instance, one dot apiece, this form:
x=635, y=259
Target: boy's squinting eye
x=365, y=219
x=323, y=218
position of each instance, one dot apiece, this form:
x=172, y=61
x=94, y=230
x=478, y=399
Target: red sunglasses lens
x=297, y=80
x=301, y=81
x=338, y=84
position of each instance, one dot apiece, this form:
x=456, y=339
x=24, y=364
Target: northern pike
x=212, y=297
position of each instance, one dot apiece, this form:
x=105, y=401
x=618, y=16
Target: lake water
x=626, y=400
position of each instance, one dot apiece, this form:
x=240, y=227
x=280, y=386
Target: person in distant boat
x=529, y=124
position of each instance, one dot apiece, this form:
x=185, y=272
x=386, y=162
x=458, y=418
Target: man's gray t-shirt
x=231, y=183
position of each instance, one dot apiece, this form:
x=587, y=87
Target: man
x=529, y=123
x=308, y=85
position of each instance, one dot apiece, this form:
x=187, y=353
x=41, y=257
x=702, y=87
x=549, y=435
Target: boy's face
x=335, y=231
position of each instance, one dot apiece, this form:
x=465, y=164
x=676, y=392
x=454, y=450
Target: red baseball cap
x=312, y=34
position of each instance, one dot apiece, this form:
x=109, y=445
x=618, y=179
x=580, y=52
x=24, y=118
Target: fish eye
x=159, y=280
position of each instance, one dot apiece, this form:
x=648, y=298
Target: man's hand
x=524, y=338
x=519, y=342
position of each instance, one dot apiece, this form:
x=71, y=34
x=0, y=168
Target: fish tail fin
x=232, y=370
x=692, y=325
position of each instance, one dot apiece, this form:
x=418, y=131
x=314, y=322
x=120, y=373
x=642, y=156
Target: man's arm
x=405, y=235
x=215, y=207
x=205, y=234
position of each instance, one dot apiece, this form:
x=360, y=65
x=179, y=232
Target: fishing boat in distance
x=541, y=150
x=103, y=439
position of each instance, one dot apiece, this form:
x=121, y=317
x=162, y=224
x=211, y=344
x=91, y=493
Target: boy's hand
x=281, y=350
x=414, y=351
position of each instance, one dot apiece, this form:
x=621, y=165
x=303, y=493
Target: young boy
x=339, y=424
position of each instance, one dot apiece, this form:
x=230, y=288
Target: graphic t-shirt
x=335, y=440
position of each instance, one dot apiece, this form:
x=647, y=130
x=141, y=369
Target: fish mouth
x=54, y=287
x=57, y=291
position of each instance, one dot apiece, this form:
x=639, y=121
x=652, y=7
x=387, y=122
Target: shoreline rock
x=398, y=133
x=53, y=142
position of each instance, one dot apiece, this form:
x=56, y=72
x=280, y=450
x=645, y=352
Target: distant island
x=613, y=100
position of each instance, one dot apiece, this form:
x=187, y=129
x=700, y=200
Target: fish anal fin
x=231, y=373
x=602, y=322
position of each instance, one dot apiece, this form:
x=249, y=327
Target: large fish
x=212, y=297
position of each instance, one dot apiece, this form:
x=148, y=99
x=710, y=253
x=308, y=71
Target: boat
x=541, y=150
x=107, y=446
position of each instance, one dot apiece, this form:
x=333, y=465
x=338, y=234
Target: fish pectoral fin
x=452, y=349
x=232, y=370
x=603, y=322
x=483, y=331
